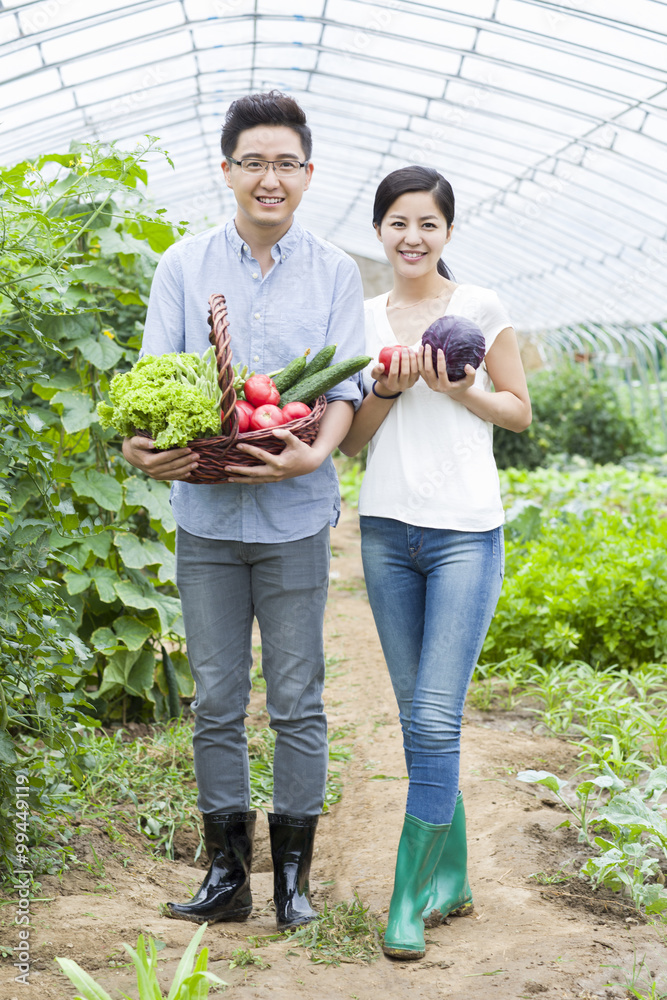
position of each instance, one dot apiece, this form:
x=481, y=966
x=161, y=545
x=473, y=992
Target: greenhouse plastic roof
x=549, y=120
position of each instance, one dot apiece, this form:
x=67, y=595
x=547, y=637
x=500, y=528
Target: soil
x=524, y=938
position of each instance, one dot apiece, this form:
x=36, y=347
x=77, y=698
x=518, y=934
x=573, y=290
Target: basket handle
x=220, y=338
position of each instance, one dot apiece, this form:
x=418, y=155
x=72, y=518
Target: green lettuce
x=174, y=397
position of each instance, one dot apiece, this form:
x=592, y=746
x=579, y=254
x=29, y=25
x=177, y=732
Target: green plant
x=590, y=586
x=552, y=878
x=350, y=475
x=641, y=989
x=588, y=420
x=192, y=979
x=87, y=550
x=628, y=862
x=630, y=357
x=243, y=957
x=120, y=783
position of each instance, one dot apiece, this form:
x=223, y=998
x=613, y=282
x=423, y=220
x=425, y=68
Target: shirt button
x=255, y=275
x=284, y=257
x=257, y=315
x=246, y=247
x=256, y=358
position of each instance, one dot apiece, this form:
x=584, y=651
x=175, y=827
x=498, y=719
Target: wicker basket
x=217, y=452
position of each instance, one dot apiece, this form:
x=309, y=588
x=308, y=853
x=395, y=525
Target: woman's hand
x=401, y=375
x=440, y=382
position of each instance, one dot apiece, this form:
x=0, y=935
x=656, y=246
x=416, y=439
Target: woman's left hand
x=440, y=382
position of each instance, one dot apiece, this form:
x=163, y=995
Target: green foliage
x=632, y=357
x=586, y=571
x=192, y=980
x=120, y=780
x=630, y=861
x=87, y=548
x=575, y=412
x=350, y=475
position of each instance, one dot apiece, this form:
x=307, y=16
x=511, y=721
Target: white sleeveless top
x=430, y=463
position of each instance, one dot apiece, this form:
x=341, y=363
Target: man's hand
x=296, y=459
x=176, y=463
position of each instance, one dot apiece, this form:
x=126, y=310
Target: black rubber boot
x=225, y=892
x=292, y=839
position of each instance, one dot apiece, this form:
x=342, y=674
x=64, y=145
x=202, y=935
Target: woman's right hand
x=401, y=375
x=176, y=463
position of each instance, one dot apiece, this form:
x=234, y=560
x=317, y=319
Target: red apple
x=245, y=412
x=294, y=411
x=266, y=416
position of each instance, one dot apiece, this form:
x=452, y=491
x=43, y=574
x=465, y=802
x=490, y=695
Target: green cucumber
x=319, y=362
x=306, y=390
x=290, y=373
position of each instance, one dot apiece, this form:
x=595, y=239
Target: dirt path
x=523, y=940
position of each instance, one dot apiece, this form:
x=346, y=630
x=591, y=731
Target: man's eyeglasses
x=282, y=168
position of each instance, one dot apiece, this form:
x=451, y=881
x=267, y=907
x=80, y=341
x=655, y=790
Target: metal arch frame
x=203, y=104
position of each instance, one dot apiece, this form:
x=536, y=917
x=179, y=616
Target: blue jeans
x=223, y=585
x=433, y=593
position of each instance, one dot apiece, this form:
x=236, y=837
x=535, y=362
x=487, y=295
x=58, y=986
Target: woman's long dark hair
x=415, y=178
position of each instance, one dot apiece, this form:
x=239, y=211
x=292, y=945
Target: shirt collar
x=279, y=251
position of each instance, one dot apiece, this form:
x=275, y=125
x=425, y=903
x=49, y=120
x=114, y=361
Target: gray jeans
x=223, y=585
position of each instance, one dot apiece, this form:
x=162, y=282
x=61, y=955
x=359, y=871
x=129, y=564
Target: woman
x=431, y=528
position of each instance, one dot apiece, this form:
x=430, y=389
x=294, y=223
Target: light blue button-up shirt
x=311, y=297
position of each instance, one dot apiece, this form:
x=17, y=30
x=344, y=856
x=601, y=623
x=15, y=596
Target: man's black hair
x=273, y=108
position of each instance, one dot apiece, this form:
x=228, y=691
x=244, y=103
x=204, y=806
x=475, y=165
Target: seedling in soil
x=628, y=863
x=648, y=988
x=243, y=957
x=552, y=878
x=191, y=981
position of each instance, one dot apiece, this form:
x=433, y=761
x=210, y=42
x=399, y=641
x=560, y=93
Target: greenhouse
x=549, y=120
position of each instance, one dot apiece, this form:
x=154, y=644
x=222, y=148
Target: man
x=258, y=545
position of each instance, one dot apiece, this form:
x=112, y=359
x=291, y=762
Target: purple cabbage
x=462, y=342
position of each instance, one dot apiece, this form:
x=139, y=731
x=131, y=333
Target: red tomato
x=245, y=412
x=260, y=389
x=265, y=416
x=294, y=411
x=386, y=354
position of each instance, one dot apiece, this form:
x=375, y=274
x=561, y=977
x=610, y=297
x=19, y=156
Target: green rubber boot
x=450, y=890
x=418, y=852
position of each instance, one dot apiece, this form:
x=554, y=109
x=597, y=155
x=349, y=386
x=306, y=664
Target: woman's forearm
x=503, y=408
x=333, y=427
x=366, y=421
